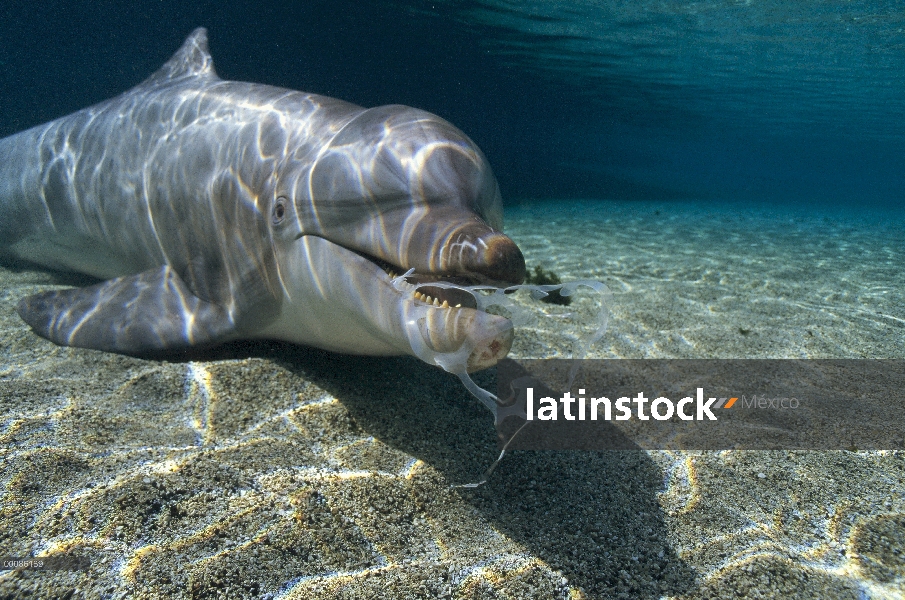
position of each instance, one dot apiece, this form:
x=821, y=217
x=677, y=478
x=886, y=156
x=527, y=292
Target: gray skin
x=220, y=210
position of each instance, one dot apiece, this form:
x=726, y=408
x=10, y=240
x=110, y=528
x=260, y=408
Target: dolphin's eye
x=279, y=210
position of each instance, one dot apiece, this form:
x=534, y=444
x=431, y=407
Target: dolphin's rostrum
x=218, y=210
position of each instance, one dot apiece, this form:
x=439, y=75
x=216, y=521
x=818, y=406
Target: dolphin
x=219, y=210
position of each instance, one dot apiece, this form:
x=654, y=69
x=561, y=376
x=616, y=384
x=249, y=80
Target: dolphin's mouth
x=436, y=317
x=422, y=292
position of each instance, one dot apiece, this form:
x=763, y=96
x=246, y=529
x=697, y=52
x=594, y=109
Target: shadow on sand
x=594, y=516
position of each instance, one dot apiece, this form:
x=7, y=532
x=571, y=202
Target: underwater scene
x=261, y=265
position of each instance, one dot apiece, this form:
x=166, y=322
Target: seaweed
x=542, y=277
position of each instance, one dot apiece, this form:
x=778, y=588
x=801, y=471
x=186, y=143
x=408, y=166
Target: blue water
x=790, y=101
x=742, y=99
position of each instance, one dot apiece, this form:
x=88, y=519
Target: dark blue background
x=546, y=134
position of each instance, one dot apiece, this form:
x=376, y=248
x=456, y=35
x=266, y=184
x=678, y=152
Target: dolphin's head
x=397, y=189
x=410, y=189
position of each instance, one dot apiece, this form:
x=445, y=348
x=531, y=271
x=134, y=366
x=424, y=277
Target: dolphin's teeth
x=430, y=300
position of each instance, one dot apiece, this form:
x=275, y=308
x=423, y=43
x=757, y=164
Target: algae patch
x=542, y=277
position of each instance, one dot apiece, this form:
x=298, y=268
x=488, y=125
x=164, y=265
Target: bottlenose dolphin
x=219, y=210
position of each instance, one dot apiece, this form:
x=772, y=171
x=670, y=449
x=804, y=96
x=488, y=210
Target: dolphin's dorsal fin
x=193, y=59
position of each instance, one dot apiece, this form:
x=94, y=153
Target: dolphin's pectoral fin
x=149, y=312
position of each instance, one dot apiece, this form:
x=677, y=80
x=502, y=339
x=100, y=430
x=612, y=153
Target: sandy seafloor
x=267, y=470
